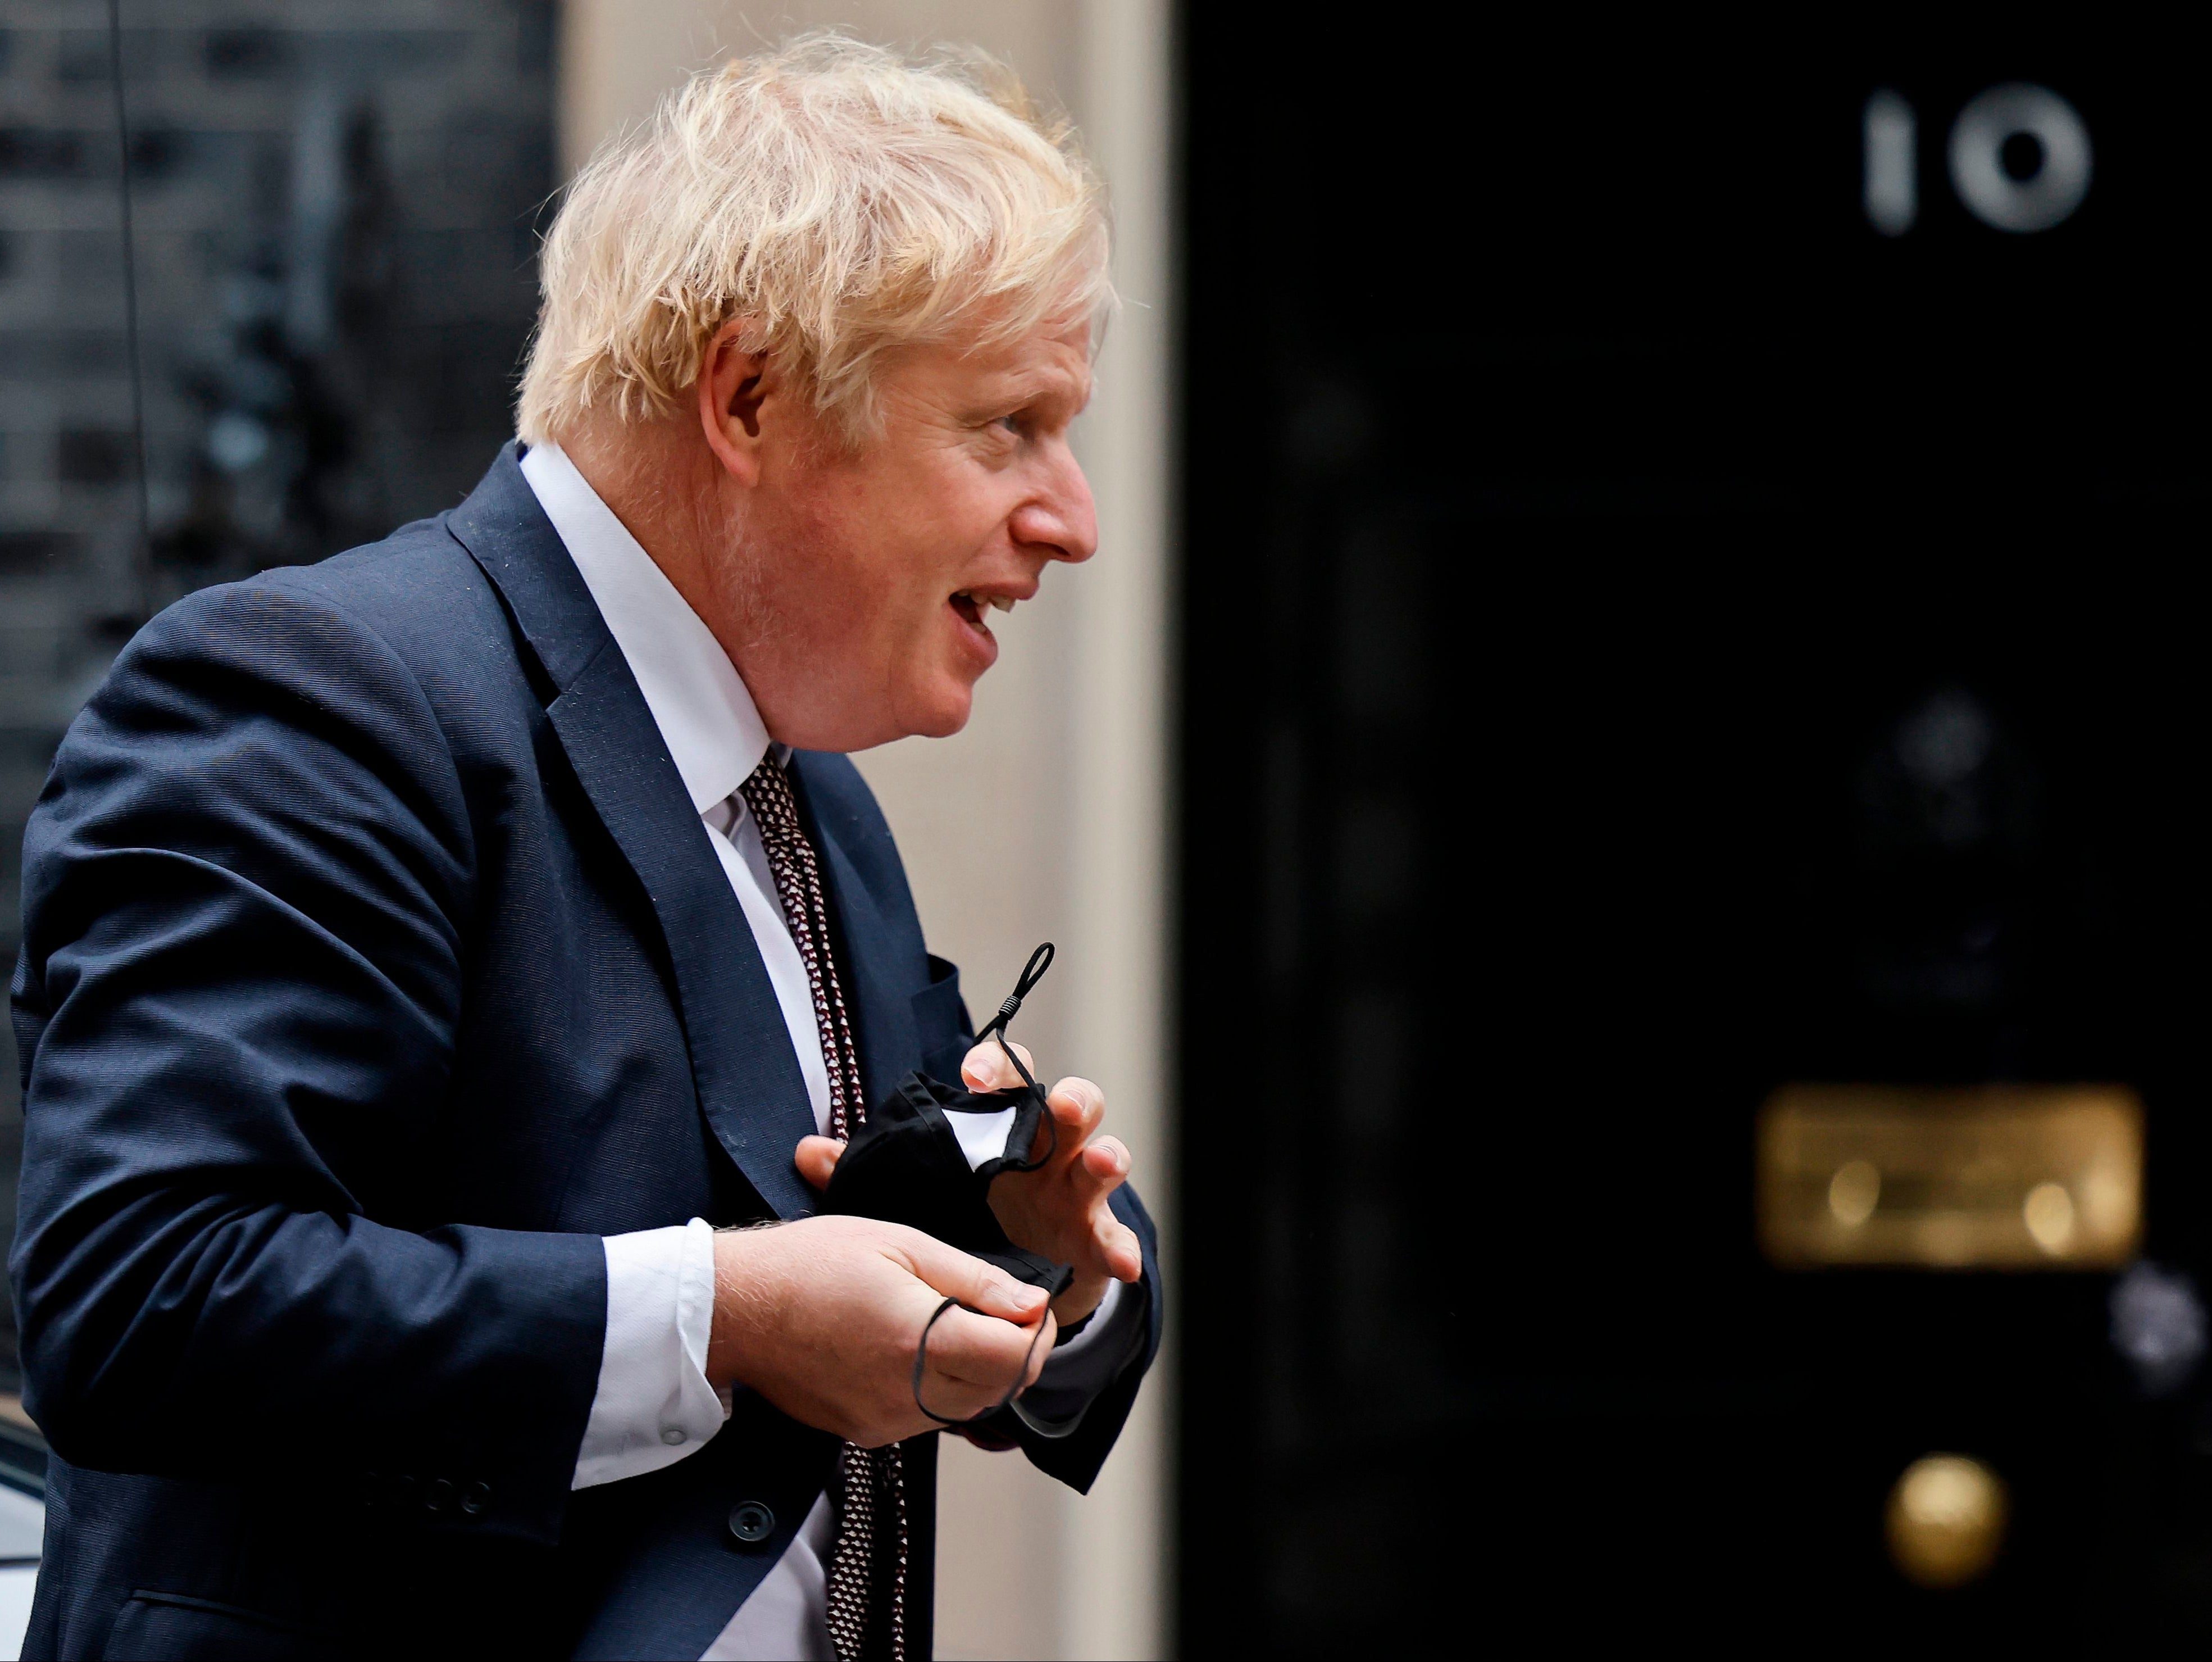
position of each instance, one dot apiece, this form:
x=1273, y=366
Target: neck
x=671, y=494
x=656, y=487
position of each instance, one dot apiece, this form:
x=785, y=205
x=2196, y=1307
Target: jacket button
x=751, y=1522
x=442, y=1495
x=476, y=1500
x=671, y=1436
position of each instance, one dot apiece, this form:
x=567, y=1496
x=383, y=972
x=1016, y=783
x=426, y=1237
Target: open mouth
x=972, y=604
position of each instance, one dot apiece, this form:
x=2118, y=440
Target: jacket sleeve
x=247, y=886
x=1076, y=1457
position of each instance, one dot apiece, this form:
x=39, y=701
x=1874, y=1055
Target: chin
x=944, y=723
x=940, y=712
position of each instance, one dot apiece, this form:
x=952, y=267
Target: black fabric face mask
x=905, y=1166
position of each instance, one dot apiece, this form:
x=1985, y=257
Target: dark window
x=44, y=153
x=249, y=53
x=271, y=319
x=158, y=153
x=82, y=55
x=92, y=456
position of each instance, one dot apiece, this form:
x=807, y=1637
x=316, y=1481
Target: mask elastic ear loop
x=1033, y=972
x=922, y=1361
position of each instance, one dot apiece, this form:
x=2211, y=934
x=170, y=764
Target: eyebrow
x=1028, y=386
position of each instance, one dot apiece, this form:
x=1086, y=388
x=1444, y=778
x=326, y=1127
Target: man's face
x=871, y=576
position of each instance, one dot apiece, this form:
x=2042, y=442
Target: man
x=431, y=957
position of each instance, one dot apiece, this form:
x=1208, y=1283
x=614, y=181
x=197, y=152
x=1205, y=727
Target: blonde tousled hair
x=841, y=200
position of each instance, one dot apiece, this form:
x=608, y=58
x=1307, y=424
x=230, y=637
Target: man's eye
x=1012, y=423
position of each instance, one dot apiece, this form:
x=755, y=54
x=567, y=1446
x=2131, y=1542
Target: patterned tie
x=867, y=1571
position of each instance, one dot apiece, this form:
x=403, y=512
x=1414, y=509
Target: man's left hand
x=1059, y=1210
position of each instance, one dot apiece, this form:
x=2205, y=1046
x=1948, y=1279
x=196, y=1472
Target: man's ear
x=734, y=387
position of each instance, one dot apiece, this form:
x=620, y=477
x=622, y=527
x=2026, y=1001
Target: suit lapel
x=889, y=1042
x=742, y=1063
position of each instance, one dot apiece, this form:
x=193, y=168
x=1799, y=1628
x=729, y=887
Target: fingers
x=1041, y=1352
x=986, y=1067
x=1106, y=1164
x=1103, y=1167
x=816, y=1159
x=1077, y=1106
x=982, y=1288
x=1118, y=1249
x=975, y=1362
x=968, y=1350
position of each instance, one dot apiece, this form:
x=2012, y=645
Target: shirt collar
x=713, y=731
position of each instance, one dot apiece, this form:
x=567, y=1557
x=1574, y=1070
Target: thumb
x=982, y=1288
x=986, y=1067
x=816, y=1159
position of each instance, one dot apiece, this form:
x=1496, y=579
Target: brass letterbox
x=1991, y=1176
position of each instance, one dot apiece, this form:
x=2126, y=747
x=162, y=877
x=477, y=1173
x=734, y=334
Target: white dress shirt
x=653, y=1406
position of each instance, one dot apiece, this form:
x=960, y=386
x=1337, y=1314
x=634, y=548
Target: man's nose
x=1060, y=523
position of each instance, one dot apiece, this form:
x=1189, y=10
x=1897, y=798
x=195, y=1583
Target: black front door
x=1692, y=549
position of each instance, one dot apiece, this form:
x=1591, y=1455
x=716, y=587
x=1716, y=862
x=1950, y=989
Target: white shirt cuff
x=1101, y=1320
x=1087, y=1364
x=653, y=1405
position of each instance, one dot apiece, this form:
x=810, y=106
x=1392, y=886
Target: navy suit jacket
x=375, y=966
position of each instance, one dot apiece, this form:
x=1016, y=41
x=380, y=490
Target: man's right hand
x=821, y=1317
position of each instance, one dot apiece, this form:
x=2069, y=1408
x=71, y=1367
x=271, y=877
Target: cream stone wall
x=1046, y=818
